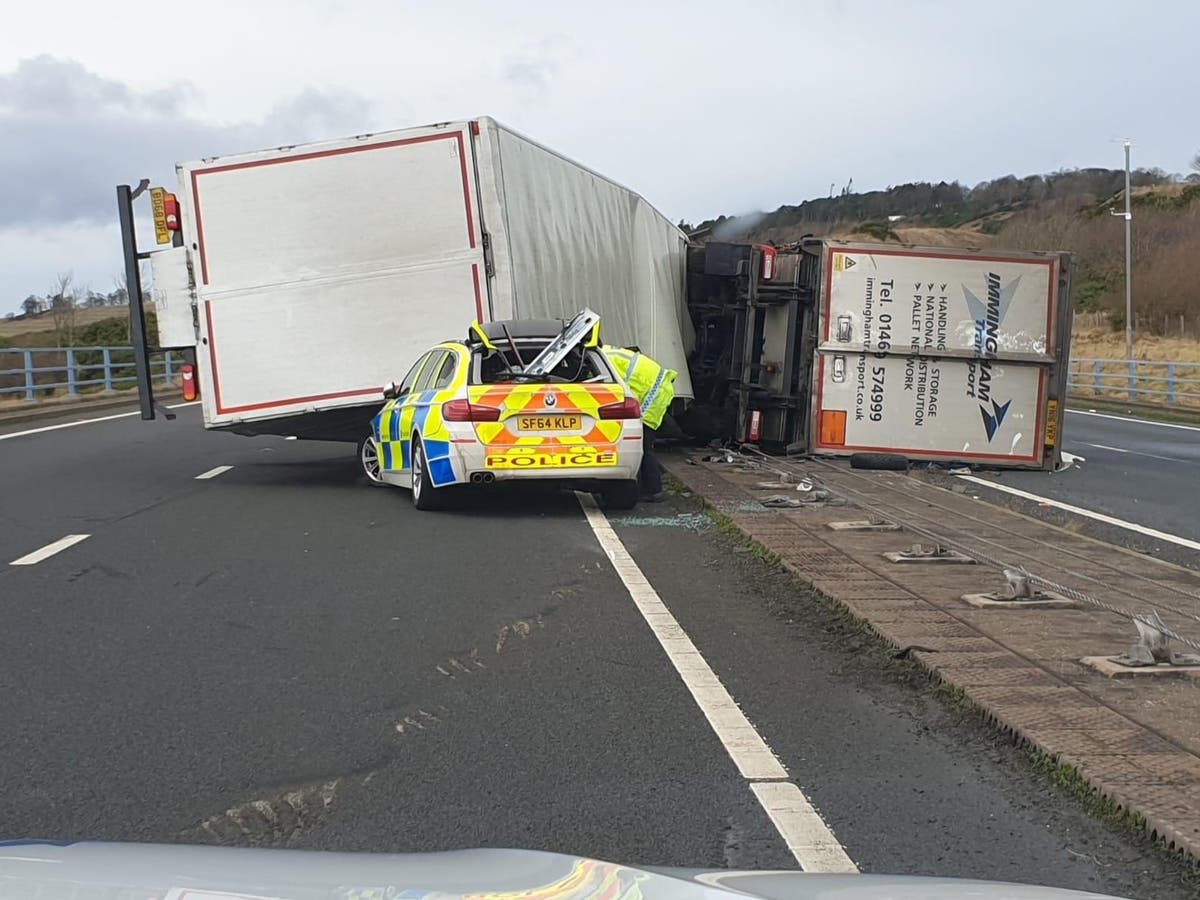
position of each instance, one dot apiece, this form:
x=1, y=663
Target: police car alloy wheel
x=368, y=458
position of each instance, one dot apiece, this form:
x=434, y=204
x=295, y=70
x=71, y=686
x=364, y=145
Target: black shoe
x=654, y=498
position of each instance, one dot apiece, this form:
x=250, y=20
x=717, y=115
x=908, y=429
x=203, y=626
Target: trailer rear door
x=940, y=354
x=322, y=271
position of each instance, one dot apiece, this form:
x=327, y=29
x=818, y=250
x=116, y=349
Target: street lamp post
x=1128, y=216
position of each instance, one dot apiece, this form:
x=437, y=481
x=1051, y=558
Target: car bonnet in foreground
x=175, y=872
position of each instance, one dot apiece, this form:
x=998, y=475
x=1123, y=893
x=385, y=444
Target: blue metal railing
x=33, y=374
x=1137, y=380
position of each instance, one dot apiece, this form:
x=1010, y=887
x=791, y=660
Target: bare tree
x=1196, y=163
x=62, y=309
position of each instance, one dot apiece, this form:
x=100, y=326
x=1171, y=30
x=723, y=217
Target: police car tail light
x=626, y=409
x=466, y=411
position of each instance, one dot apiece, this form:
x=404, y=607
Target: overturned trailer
x=840, y=348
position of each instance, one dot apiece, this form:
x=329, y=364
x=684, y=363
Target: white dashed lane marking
x=213, y=473
x=49, y=550
x=807, y=836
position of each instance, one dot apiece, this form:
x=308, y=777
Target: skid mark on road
x=520, y=629
x=463, y=664
x=272, y=819
x=419, y=721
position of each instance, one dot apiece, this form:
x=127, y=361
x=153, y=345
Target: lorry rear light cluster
x=187, y=376
x=626, y=409
x=171, y=211
x=755, y=426
x=768, y=262
x=466, y=411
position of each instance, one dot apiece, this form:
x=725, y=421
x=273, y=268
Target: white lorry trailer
x=308, y=277
x=929, y=353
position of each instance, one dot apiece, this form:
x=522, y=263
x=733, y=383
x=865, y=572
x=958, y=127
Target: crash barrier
x=34, y=375
x=1136, y=380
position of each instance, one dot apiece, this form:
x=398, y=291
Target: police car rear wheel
x=424, y=494
x=368, y=458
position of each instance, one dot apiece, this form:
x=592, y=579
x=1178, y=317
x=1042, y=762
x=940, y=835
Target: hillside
x=27, y=325
x=1061, y=211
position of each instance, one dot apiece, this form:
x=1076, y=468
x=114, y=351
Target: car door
x=441, y=384
x=395, y=420
x=423, y=394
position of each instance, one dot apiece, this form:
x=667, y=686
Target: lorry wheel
x=622, y=495
x=424, y=495
x=883, y=462
x=368, y=460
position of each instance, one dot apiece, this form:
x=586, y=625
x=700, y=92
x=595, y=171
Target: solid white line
x=803, y=829
x=807, y=836
x=213, y=473
x=1080, y=412
x=45, y=428
x=1080, y=511
x=1137, y=453
x=49, y=550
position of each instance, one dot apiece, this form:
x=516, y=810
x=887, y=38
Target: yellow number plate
x=549, y=423
x=1051, y=423
x=583, y=458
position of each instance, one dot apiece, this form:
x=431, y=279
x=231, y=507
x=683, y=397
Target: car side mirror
x=390, y=391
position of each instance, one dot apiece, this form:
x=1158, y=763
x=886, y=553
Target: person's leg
x=650, y=474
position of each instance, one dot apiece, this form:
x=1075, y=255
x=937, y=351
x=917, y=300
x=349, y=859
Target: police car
x=516, y=400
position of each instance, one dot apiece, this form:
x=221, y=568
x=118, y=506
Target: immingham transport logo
x=988, y=315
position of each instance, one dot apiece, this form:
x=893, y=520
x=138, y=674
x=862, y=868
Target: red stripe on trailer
x=358, y=392
x=212, y=355
x=478, y=293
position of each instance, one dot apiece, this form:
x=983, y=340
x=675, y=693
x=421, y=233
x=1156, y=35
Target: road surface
x=277, y=654
x=1143, y=474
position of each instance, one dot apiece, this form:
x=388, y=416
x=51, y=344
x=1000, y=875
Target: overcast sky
x=703, y=107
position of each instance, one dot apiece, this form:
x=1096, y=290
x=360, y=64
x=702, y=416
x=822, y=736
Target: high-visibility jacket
x=652, y=385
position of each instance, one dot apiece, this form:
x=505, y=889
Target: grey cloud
x=71, y=135
x=536, y=66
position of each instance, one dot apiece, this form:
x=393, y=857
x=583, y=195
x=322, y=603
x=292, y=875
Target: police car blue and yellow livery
x=466, y=413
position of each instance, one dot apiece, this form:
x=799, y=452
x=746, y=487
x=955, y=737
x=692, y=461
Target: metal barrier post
x=167, y=365
x=1097, y=372
x=72, y=389
x=1171, y=384
x=1132, y=379
x=29, y=395
x=107, y=370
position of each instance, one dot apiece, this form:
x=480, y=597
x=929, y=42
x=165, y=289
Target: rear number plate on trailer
x=549, y=423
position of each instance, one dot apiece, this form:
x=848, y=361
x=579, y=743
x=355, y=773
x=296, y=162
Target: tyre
x=621, y=495
x=368, y=461
x=885, y=462
x=424, y=495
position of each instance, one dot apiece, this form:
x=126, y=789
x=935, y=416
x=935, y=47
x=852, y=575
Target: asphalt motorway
x=280, y=655
x=1145, y=474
